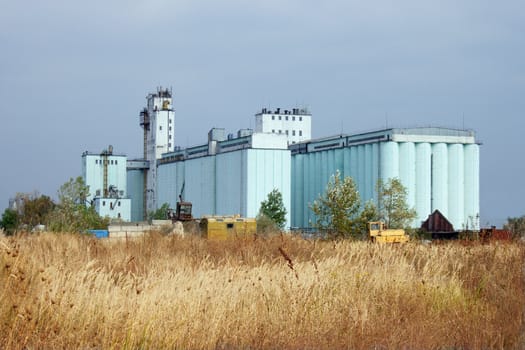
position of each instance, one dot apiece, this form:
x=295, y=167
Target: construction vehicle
x=182, y=211
x=212, y=227
x=377, y=232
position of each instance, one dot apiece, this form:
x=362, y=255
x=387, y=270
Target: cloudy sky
x=74, y=76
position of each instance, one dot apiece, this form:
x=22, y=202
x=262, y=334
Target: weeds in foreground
x=71, y=291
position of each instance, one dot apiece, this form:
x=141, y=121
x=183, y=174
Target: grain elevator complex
x=233, y=173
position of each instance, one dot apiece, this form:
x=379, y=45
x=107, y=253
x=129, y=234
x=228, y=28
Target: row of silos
x=443, y=176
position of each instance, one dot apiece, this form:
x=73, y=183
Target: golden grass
x=68, y=291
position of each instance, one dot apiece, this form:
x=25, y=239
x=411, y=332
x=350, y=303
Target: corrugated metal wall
x=229, y=183
x=135, y=180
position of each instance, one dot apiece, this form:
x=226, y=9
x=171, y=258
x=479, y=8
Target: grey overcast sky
x=74, y=76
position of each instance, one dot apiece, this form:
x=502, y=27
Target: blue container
x=99, y=233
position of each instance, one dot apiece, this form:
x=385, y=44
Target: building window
x=300, y=119
x=286, y=132
x=169, y=121
x=293, y=132
x=170, y=128
x=273, y=131
x=280, y=132
x=300, y=133
x=286, y=117
x=293, y=119
x=103, y=203
x=160, y=127
x=273, y=117
x=280, y=118
x=115, y=162
x=96, y=161
x=112, y=162
x=169, y=144
x=119, y=203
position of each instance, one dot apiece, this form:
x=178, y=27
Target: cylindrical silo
x=440, y=178
x=369, y=185
x=310, y=194
x=354, y=165
x=298, y=186
x=389, y=160
x=338, y=155
x=346, y=161
x=456, y=195
x=375, y=170
x=471, y=154
x=407, y=170
x=361, y=168
x=423, y=180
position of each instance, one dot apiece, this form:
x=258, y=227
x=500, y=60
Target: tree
x=72, y=214
x=516, y=226
x=9, y=221
x=338, y=209
x=368, y=213
x=36, y=210
x=392, y=204
x=273, y=209
x=159, y=214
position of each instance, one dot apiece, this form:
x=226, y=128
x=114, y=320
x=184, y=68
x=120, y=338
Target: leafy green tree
x=159, y=214
x=368, y=213
x=9, y=221
x=36, y=210
x=72, y=214
x=338, y=210
x=393, y=208
x=273, y=209
x=516, y=226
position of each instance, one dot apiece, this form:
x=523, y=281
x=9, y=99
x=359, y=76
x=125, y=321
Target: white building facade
x=106, y=175
x=296, y=123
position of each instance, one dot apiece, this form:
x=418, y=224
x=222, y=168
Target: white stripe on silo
x=407, y=170
x=440, y=178
x=471, y=154
x=456, y=166
x=423, y=177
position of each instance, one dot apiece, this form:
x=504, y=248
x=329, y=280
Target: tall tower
x=157, y=120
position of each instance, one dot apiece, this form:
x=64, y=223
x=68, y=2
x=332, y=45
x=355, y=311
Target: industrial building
x=232, y=174
x=439, y=168
x=106, y=175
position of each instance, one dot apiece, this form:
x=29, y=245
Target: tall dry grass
x=68, y=291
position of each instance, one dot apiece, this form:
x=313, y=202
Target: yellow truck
x=378, y=232
x=227, y=227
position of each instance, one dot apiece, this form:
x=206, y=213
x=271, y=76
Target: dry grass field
x=68, y=291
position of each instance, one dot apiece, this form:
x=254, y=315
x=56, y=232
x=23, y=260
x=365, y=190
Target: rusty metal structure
x=439, y=227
